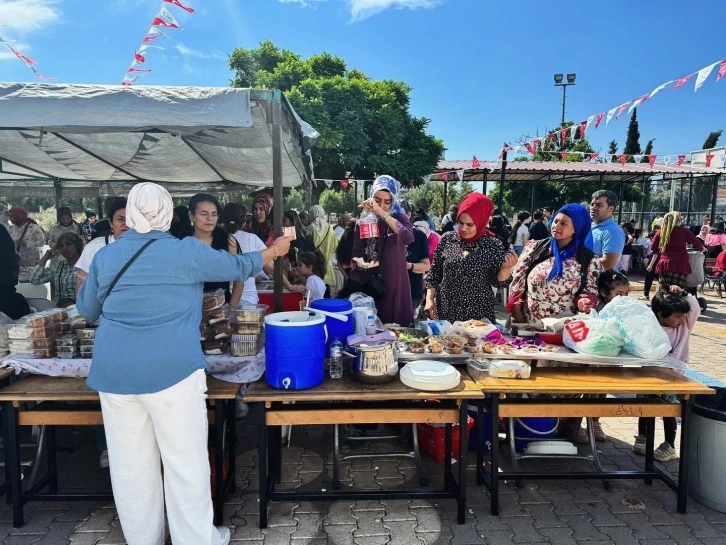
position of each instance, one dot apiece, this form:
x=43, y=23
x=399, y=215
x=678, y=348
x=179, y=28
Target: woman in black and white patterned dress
x=467, y=265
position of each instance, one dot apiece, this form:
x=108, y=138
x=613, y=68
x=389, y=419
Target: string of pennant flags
x=27, y=61
x=578, y=130
x=163, y=19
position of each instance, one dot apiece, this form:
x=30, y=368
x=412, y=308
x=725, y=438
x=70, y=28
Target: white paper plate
x=551, y=447
x=430, y=376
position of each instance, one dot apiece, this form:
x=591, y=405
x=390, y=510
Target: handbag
x=125, y=268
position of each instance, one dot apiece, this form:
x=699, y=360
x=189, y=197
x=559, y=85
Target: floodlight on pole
x=559, y=82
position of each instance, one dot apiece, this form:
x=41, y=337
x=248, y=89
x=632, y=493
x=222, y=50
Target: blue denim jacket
x=148, y=339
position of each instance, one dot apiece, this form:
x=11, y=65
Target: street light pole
x=559, y=82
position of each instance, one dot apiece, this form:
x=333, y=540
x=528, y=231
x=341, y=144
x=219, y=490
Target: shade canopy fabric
x=86, y=134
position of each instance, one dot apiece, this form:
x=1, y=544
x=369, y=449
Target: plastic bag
x=593, y=336
x=363, y=306
x=436, y=327
x=475, y=329
x=638, y=328
x=5, y=322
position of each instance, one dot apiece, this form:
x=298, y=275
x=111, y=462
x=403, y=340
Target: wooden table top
x=596, y=380
x=42, y=388
x=349, y=389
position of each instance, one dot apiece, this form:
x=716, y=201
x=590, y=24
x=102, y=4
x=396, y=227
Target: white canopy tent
x=98, y=140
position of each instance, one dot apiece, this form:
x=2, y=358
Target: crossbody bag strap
x=125, y=267
x=22, y=236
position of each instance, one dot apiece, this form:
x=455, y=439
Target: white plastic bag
x=638, y=327
x=363, y=306
x=593, y=336
x=436, y=327
x=475, y=329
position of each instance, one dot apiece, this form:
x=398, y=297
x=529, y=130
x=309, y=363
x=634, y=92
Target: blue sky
x=480, y=70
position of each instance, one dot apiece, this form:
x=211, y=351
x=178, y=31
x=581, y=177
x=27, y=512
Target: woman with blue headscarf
x=396, y=234
x=556, y=275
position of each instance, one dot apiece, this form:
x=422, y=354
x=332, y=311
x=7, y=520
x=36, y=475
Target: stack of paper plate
x=544, y=448
x=430, y=375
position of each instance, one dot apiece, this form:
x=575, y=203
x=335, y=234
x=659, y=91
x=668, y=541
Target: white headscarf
x=149, y=208
x=422, y=226
x=318, y=219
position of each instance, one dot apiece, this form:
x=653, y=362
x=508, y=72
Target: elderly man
x=607, y=236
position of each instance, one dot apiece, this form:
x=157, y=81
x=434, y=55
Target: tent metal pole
x=620, y=207
x=484, y=183
x=57, y=184
x=714, y=198
x=96, y=156
x=690, y=197
x=501, y=182
x=643, y=202
x=446, y=191
x=99, y=208
x=276, y=110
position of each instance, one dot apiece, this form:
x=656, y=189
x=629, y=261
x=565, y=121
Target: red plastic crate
x=431, y=439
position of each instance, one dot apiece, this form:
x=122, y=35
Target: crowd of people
x=553, y=263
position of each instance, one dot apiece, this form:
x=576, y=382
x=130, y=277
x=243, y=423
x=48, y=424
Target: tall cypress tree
x=613, y=147
x=632, y=142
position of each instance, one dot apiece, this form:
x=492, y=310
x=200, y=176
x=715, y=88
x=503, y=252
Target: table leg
x=274, y=443
x=461, y=495
x=495, y=454
x=12, y=457
x=262, y=462
x=649, y=446
x=683, y=462
x=480, y=441
x=232, y=443
x=219, y=425
x=336, y=458
x=448, y=440
x=52, y=462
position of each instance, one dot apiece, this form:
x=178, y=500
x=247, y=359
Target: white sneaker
x=639, y=446
x=224, y=536
x=103, y=461
x=665, y=452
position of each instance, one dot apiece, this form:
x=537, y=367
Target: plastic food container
x=44, y=354
x=66, y=355
x=85, y=352
x=246, y=345
x=66, y=341
x=222, y=330
x=212, y=300
x=430, y=375
x=86, y=333
x=248, y=328
x=63, y=327
x=221, y=314
x=215, y=348
x=86, y=343
x=249, y=313
x=498, y=369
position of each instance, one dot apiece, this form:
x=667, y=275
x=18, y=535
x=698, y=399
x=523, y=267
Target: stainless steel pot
x=374, y=363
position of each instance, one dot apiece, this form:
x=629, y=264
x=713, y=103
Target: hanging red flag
x=41, y=76
x=475, y=163
x=583, y=128
x=165, y=19
x=445, y=177
x=179, y=4
x=139, y=57
x=132, y=69
x=721, y=70
x=550, y=137
x=563, y=135
x=598, y=119
x=681, y=82
x=709, y=158
x=621, y=110
x=681, y=158
x=126, y=83
x=344, y=184
x=593, y=157
x=623, y=159
x=26, y=60
x=651, y=160
x=563, y=155
x=535, y=144
x=151, y=37
x=529, y=147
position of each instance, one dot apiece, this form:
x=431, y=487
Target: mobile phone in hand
x=289, y=232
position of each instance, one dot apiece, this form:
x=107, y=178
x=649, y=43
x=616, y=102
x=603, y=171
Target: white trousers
x=144, y=431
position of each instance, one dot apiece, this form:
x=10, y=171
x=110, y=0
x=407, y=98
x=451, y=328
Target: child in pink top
x=677, y=313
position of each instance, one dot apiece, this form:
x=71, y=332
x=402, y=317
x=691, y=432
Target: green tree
x=365, y=126
x=649, y=147
x=712, y=140
x=337, y=202
x=632, y=141
x=430, y=196
x=613, y=147
x=295, y=200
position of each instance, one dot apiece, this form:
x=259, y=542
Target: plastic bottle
x=371, y=328
x=336, y=359
x=369, y=231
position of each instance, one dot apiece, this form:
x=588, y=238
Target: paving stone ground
x=542, y=512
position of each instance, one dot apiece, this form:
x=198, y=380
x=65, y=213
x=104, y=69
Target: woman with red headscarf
x=29, y=238
x=467, y=264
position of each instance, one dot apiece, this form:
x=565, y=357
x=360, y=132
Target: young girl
x=611, y=284
x=311, y=266
x=677, y=313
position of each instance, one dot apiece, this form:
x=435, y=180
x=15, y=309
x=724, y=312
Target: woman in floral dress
x=29, y=238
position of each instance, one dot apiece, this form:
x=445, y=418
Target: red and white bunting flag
x=623, y=158
x=583, y=128
x=445, y=176
x=593, y=157
x=660, y=88
x=535, y=144
x=501, y=153
x=721, y=70
x=681, y=159
x=651, y=160
x=550, y=138
x=563, y=135
x=529, y=147
x=563, y=155
x=165, y=19
x=41, y=76
x=138, y=57
x=611, y=113
x=26, y=60
x=152, y=35
x=475, y=163
x=681, y=82
x=702, y=76
x=723, y=161
x=573, y=134
x=637, y=102
x=609, y=157
x=460, y=175
x=667, y=160
x=638, y=158
x=621, y=110
x=598, y=119
x=179, y=4
x=132, y=69
x=709, y=158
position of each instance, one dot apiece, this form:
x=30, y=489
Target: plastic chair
x=30, y=291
